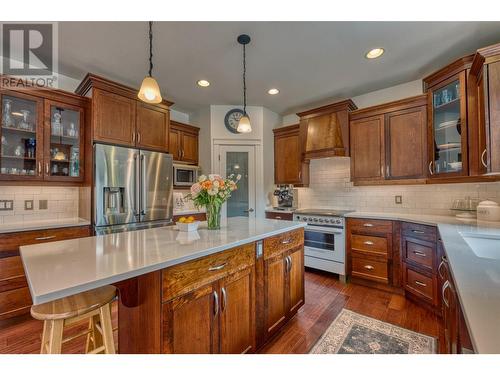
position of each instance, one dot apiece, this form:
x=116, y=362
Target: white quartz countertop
x=43, y=224
x=477, y=279
x=59, y=269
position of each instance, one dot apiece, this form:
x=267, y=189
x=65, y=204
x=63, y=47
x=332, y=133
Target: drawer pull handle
x=368, y=225
x=368, y=267
x=278, y=217
x=217, y=268
x=419, y=283
x=419, y=253
x=45, y=238
x=443, y=261
x=416, y=231
x=446, y=285
x=286, y=242
x=368, y=243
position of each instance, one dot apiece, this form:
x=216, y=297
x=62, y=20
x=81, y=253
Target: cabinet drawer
x=186, y=277
x=419, y=252
x=279, y=215
x=282, y=242
x=419, y=284
x=10, y=242
x=375, y=270
x=370, y=225
x=370, y=244
x=423, y=232
x=14, y=302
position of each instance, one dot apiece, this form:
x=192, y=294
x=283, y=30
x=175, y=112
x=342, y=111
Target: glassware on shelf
x=56, y=124
x=24, y=124
x=18, y=151
x=74, y=162
x=7, y=119
x=30, y=147
x=72, y=131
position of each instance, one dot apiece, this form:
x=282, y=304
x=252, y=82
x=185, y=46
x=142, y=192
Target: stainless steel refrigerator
x=132, y=188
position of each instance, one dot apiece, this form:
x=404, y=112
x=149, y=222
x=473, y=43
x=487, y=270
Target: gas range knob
x=315, y=219
x=338, y=221
x=321, y=220
x=304, y=219
x=310, y=219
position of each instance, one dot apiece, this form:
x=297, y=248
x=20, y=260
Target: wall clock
x=232, y=119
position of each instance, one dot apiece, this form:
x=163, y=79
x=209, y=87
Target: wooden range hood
x=324, y=131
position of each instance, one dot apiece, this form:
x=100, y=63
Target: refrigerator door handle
x=143, y=185
x=136, y=184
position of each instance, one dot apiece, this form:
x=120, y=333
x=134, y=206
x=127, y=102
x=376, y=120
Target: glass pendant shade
x=244, y=125
x=150, y=91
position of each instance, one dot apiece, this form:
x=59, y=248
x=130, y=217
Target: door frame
x=259, y=193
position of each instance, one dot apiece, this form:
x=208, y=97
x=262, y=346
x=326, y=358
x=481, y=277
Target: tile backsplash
x=330, y=187
x=62, y=202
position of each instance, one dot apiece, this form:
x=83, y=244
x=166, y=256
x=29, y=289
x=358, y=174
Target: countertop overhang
x=477, y=279
x=60, y=269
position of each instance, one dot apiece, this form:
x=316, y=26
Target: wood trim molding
x=184, y=127
x=449, y=70
x=286, y=129
x=347, y=105
x=398, y=105
x=91, y=81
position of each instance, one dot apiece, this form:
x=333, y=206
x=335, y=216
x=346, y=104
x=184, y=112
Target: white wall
x=369, y=99
x=219, y=131
x=270, y=120
x=179, y=116
x=201, y=119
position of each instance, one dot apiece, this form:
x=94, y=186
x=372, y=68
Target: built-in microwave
x=185, y=175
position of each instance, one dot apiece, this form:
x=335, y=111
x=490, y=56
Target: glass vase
x=213, y=216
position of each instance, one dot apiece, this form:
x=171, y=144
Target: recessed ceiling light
x=203, y=83
x=273, y=91
x=374, y=53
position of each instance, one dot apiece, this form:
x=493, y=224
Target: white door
x=239, y=159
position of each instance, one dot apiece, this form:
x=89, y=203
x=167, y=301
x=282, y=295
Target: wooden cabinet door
x=367, y=148
x=406, y=140
x=287, y=158
x=190, y=322
x=152, y=127
x=450, y=317
x=295, y=280
x=275, y=304
x=237, y=312
x=491, y=158
x=174, y=143
x=113, y=118
x=189, y=149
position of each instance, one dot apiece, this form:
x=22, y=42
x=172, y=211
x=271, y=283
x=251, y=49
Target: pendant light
x=150, y=91
x=244, y=123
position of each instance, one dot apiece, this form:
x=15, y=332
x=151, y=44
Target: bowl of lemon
x=187, y=224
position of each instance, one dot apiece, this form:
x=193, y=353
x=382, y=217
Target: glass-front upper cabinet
x=449, y=128
x=63, y=141
x=21, y=133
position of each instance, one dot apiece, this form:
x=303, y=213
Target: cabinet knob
x=369, y=267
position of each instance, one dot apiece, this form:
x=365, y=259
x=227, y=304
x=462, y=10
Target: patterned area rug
x=353, y=333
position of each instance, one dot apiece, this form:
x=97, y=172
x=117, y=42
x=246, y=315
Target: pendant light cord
x=244, y=81
x=150, y=48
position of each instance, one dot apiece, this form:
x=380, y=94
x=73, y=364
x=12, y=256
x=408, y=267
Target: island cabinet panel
x=152, y=127
x=237, y=313
x=190, y=322
x=209, y=304
x=282, y=290
x=113, y=118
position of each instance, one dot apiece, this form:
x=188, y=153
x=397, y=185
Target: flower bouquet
x=211, y=192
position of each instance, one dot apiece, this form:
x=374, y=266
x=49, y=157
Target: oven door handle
x=310, y=228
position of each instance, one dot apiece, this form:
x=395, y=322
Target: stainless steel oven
x=185, y=175
x=324, y=240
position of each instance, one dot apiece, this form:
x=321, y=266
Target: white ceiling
x=310, y=62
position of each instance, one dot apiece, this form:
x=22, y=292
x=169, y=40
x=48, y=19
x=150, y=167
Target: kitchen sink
x=483, y=245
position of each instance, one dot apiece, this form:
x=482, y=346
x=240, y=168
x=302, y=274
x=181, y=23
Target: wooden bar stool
x=94, y=305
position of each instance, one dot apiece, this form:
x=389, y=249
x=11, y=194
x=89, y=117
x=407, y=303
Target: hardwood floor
x=325, y=298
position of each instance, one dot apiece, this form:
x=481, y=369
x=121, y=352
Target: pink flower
x=195, y=189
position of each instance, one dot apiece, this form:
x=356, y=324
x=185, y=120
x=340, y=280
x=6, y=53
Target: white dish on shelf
x=447, y=124
x=457, y=165
x=447, y=146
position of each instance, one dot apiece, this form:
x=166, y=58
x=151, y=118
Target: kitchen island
x=225, y=291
